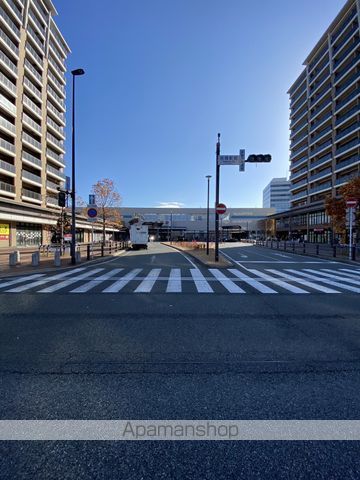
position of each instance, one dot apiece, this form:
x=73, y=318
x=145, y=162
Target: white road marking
x=327, y=281
x=147, y=284
x=120, y=284
x=333, y=276
x=281, y=255
x=342, y=273
x=357, y=272
x=279, y=282
x=94, y=283
x=251, y=281
x=174, y=283
x=303, y=282
x=226, y=282
x=20, y=280
x=69, y=281
x=200, y=282
x=44, y=280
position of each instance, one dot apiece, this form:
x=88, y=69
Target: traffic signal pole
x=217, y=199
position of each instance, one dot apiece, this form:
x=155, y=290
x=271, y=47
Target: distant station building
x=276, y=194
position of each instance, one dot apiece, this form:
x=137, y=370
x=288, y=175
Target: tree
x=108, y=202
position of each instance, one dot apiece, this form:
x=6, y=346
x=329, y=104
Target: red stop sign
x=221, y=209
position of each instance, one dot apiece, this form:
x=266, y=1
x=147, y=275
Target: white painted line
x=200, y=282
x=278, y=282
x=185, y=256
x=147, y=284
x=251, y=281
x=303, y=282
x=281, y=255
x=119, y=284
x=20, y=280
x=342, y=273
x=226, y=282
x=243, y=256
x=94, y=283
x=174, y=283
x=279, y=262
x=327, y=281
x=69, y=281
x=45, y=280
x=334, y=277
x=357, y=272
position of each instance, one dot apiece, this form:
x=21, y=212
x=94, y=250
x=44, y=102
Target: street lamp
x=75, y=73
x=208, y=215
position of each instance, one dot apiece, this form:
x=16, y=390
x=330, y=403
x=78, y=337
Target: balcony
x=53, y=201
x=9, y=43
x=298, y=174
x=345, y=179
x=301, y=105
x=55, y=126
x=319, y=135
x=31, y=177
x=9, y=23
x=320, y=188
x=56, y=83
x=52, y=186
x=55, y=97
x=320, y=107
x=30, y=123
x=354, y=159
x=350, y=81
x=39, y=26
x=5, y=103
x=33, y=107
x=299, y=195
x=320, y=121
x=35, y=56
x=347, y=99
x=55, y=157
x=33, y=89
x=58, y=58
x=7, y=168
x=325, y=90
x=299, y=126
x=298, y=162
x=297, y=185
x=30, y=195
x=299, y=152
x=58, y=115
x=58, y=143
x=31, y=141
x=323, y=173
x=7, y=126
x=297, y=141
x=35, y=38
x=318, y=57
x=345, y=39
x=7, y=147
x=350, y=113
x=320, y=148
x=350, y=18
x=55, y=172
x=348, y=146
x=15, y=9
x=40, y=11
x=346, y=69
x=321, y=161
x=351, y=128
x=56, y=69
x=9, y=86
x=7, y=188
x=296, y=97
x=29, y=159
x=33, y=71
x=345, y=53
x=5, y=60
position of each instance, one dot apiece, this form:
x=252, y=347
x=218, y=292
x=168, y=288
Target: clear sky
x=164, y=76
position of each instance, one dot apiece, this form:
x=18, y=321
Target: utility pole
x=208, y=214
x=217, y=199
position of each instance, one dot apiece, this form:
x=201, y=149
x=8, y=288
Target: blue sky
x=164, y=76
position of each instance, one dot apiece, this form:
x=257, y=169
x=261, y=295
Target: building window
x=28, y=234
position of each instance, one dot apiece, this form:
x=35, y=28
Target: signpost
x=350, y=205
x=221, y=208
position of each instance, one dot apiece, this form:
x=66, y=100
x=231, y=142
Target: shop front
x=28, y=235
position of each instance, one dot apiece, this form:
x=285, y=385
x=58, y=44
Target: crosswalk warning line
x=94, y=283
x=120, y=284
x=38, y=283
x=201, y=284
x=251, y=281
x=226, y=282
x=353, y=281
x=356, y=272
x=69, y=281
x=174, y=282
x=21, y=280
x=327, y=281
x=303, y=282
x=342, y=273
x=277, y=281
x=147, y=284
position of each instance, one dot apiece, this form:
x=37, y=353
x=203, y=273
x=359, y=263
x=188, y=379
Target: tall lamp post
x=208, y=215
x=75, y=73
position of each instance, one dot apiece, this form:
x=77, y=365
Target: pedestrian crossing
x=187, y=280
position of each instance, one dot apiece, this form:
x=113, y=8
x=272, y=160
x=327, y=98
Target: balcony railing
x=346, y=69
x=33, y=70
x=323, y=173
x=11, y=65
x=54, y=140
x=5, y=81
x=59, y=86
x=9, y=42
x=31, y=176
x=7, y=104
x=320, y=120
x=27, y=138
x=349, y=129
x=298, y=195
x=40, y=27
x=319, y=188
x=321, y=161
x=54, y=110
x=55, y=171
x=32, y=105
x=30, y=158
x=14, y=9
x=52, y=185
x=31, y=194
x=321, y=147
x=52, y=200
x=7, y=145
x=298, y=162
x=345, y=39
x=345, y=179
x=34, y=54
x=29, y=121
x=55, y=156
x=299, y=151
x=35, y=38
x=346, y=84
x=54, y=65
x=298, y=140
x=321, y=134
x=7, y=187
x=343, y=25
x=13, y=27
x=348, y=98
x=347, y=115
x=345, y=53
x=56, y=127
x=297, y=174
x=349, y=161
x=348, y=145
x=56, y=97
x=6, y=124
x=320, y=107
x=296, y=185
x=7, y=166
x=33, y=88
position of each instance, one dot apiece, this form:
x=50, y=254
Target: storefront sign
x=4, y=231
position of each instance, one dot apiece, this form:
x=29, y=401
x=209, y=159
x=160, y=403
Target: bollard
x=317, y=249
x=12, y=259
x=102, y=249
x=35, y=259
x=88, y=255
x=293, y=247
x=110, y=248
x=78, y=256
x=18, y=256
x=334, y=251
x=304, y=248
x=57, y=258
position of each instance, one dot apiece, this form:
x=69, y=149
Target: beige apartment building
x=32, y=120
x=324, y=126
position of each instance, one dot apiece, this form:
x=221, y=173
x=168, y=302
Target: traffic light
x=259, y=158
x=62, y=199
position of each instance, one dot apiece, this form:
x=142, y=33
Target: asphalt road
x=151, y=335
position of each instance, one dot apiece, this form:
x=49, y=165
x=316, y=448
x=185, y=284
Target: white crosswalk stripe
x=30, y=285
x=357, y=272
x=342, y=273
x=120, y=284
x=94, y=283
x=69, y=281
x=326, y=280
x=174, y=282
x=341, y=277
x=226, y=282
x=277, y=281
x=303, y=282
x=251, y=281
x=200, y=282
x=147, y=284
x=21, y=280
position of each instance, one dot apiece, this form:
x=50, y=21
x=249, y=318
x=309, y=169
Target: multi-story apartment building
x=276, y=194
x=325, y=124
x=32, y=118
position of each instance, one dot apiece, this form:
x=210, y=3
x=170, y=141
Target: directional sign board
x=92, y=214
x=221, y=209
x=230, y=160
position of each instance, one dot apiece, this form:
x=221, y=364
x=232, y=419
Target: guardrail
x=323, y=250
